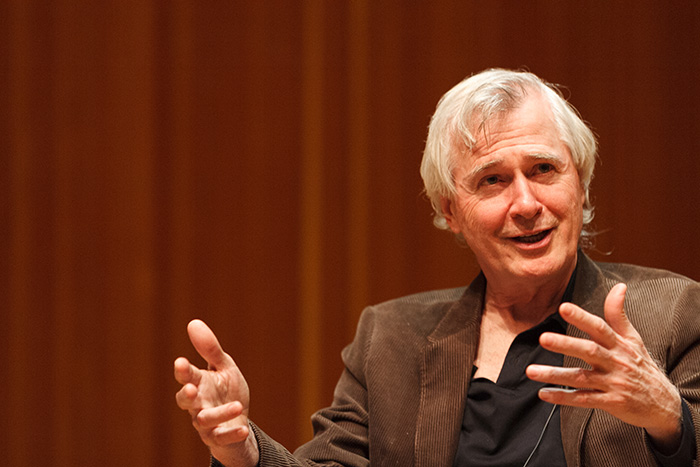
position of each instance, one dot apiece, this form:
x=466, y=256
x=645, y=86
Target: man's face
x=519, y=199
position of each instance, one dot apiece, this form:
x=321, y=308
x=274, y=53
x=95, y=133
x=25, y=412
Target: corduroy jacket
x=401, y=398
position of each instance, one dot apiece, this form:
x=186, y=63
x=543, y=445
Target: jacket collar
x=446, y=365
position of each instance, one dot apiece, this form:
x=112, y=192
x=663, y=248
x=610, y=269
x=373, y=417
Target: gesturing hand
x=217, y=399
x=623, y=379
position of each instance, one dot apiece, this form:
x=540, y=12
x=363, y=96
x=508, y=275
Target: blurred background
x=255, y=164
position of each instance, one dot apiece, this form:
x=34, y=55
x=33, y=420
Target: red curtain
x=255, y=164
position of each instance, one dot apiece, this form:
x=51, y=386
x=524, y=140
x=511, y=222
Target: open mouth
x=533, y=238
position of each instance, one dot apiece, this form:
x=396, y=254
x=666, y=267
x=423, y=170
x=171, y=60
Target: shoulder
x=662, y=305
x=595, y=278
x=418, y=312
x=641, y=275
x=403, y=325
x=420, y=303
x=649, y=285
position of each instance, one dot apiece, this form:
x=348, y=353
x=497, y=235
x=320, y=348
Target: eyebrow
x=538, y=156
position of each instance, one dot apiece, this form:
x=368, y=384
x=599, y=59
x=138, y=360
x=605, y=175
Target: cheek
x=568, y=207
x=481, y=217
x=567, y=200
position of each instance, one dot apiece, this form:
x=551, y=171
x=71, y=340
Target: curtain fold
x=255, y=165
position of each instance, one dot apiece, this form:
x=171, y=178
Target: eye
x=544, y=168
x=490, y=180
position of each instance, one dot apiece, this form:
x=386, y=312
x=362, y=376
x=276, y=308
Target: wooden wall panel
x=255, y=164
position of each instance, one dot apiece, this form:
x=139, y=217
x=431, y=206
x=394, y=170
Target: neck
x=528, y=302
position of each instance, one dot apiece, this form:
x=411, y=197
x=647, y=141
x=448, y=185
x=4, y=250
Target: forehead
x=529, y=130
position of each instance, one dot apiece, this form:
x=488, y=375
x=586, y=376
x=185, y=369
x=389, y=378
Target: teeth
x=533, y=238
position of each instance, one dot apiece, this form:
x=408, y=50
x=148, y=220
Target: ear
x=447, y=207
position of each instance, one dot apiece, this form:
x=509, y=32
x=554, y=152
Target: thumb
x=615, y=312
x=207, y=345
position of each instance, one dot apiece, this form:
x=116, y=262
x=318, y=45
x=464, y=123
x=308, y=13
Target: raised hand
x=623, y=380
x=217, y=399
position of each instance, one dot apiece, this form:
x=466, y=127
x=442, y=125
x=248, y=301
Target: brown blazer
x=400, y=400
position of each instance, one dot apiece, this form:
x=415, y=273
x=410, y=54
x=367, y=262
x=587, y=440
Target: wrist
x=666, y=436
x=243, y=454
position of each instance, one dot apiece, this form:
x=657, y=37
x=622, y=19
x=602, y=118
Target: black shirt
x=504, y=420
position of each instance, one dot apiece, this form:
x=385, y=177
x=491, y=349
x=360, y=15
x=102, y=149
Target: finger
x=186, y=373
x=573, y=397
x=567, y=377
x=587, y=350
x=615, y=312
x=210, y=418
x=186, y=397
x=207, y=345
x=226, y=435
x=594, y=326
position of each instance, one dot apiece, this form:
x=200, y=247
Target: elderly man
x=546, y=358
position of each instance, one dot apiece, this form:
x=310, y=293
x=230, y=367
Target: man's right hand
x=217, y=399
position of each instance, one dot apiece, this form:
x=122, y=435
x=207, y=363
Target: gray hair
x=465, y=110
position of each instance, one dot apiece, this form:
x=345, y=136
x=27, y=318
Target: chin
x=539, y=268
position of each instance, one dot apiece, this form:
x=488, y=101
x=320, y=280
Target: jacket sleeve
x=684, y=356
x=341, y=431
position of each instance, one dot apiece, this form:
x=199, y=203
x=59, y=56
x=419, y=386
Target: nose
x=524, y=203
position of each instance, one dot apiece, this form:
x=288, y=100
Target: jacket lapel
x=589, y=293
x=446, y=365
